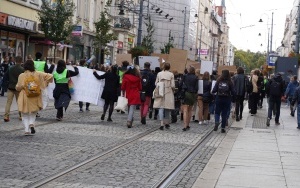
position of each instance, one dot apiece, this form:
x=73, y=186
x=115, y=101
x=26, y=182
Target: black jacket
x=240, y=82
x=152, y=78
x=277, y=78
x=11, y=76
x=191, y=82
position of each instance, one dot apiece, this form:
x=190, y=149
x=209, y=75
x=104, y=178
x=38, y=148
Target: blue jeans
x=222, y=109
x=298, y=115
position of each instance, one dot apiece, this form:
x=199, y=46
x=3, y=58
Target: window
x=36, y=2
x=86, y=9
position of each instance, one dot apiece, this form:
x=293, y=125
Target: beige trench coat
x=32, y=104
x=166, y=102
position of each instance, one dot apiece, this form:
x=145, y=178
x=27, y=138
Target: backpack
x=32, y=86
x=145, y=82
x=223, y=89
x=275, y=89
x=249, y=86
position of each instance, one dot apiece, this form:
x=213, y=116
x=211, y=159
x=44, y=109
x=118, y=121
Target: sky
x=243, y=14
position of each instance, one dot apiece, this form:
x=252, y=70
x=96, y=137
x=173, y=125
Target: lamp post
x=184, y=23
x=140, y=30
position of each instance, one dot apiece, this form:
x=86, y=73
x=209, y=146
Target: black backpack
x=223, y=89
x=145, y=82
x=249, y=86
x=275, y=89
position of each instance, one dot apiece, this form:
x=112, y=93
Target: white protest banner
x=213, y=84
x=154, y=62
x=87, y=88
x=200, y=86
x=206, y=66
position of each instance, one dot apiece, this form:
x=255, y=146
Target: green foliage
x=166, y=48
x=148, y=41
x=138, y=51
x=103, y=29
x=249, y=60
x=56, y=20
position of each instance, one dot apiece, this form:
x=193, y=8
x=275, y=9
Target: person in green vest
x=41, y=65
x=61, y=92
x=121, y=72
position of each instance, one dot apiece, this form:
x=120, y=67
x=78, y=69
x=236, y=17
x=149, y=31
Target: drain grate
x=259, y=122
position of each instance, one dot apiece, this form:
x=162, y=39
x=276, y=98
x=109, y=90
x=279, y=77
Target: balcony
x=122, y=24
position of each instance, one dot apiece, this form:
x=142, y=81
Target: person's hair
x=133, y=71
x=29, y=65
x=82, y=62
x=19, y=59
x=256, y=72
x=157, y=69
x=38, y=55
x=125, y=63
x=167, y=66
x=295, y=77
x=114, y=69
x=61, y=65
x=147, y=65
x=225, y=75
x=240, y=70
x=205, y=75
x=29, y=57
x=192, y=70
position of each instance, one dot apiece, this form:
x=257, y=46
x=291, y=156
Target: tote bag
x=121, y=103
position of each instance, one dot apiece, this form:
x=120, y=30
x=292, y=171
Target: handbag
x=143, y=96
x=71, y=86
x=121, y=103
x=159, y=90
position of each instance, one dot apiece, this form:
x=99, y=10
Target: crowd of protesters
x=159, y=94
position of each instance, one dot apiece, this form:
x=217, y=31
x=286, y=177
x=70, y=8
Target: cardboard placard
x=123, y=57
x=154, y=62
x=162, y=57
x=223, y=67
x=206, y=66
x=177, y=59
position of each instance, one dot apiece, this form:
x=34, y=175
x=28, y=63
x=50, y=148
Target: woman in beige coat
x=29, y=106
x=166, y=103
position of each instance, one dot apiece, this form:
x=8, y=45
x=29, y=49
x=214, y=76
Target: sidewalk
x=253, y=155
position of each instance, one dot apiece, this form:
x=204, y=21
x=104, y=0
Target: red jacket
x=132, y=86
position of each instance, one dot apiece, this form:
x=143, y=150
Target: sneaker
x=122, y=112
x=298, y=127
x=143, y=120
x=102, y=117
x=268, y=122
x=109, y=119
x=241, y=117
x=184, y=129
x=237, y=119
x=32, y=130
x=37, y=115
x=200, y=122
x=216, y=127
x=80, y=110
x=277, y=123
x=6, y=119
x=223, y=131
x=167, y=126
x=161, y=127
x=150, y=114
x=87, y=109
x=292, y=114
x=188, y=128
x=20, y=118
x=58, y=119
x=155, y=118
x=205, y=122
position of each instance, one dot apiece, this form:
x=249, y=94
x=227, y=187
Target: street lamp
x=271, y=38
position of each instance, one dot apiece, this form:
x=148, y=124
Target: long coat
x=166, y=102
x=31, y=104
x=132, y=86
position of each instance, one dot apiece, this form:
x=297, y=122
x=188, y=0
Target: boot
x=129, y=124
x=216, y=126
x=143, y=120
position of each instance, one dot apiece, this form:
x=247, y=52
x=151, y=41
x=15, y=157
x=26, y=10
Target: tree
x=103, y=30
x=56, y=20
x=169, y=45
x=249, y=60
x=148, y=41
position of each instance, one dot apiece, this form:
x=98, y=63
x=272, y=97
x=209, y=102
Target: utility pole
x=199, y=55
x=271, y=33
x=184, y=23
x=140, y=30
x=298, y=32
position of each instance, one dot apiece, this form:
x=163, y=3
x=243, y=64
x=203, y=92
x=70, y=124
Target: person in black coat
x=110, y=90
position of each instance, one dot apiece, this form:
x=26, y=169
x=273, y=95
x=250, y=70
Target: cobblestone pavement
x=80, y=136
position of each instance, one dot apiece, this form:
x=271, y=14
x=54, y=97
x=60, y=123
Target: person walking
x=41, y=65
x=12, y=76
x=165, y=103
x=204, y=99
x=29, y=105
x=254, y=95
x=130, y=88
x=87, y=105
x=152, y=110
x=3, y=69
x=224, y=90
x=61, y=92
x=148, y=86
x=296, y=102
x=240, y=82
x=275, y=90
x=110, y=90
x=289, y=92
